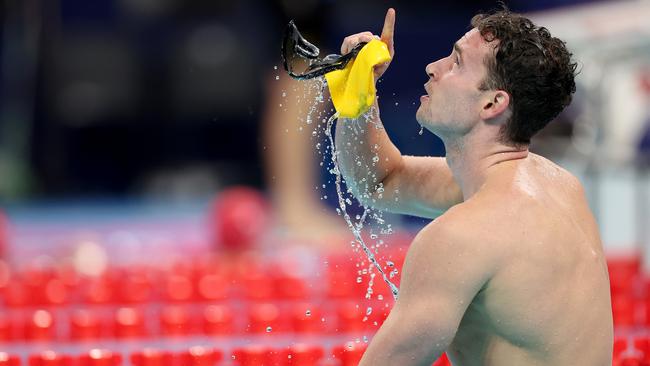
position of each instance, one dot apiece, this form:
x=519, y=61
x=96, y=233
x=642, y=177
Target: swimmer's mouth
x=295, y=46
x=428, y=94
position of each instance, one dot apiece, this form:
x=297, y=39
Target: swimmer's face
x=453, y=101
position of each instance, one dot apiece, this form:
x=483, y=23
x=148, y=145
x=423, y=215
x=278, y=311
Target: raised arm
x=375, y=170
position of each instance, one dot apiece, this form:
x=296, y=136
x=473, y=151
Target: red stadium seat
x=129, y=323
x=350, y=353
x=100, y=357
x=7, y=328
x=256, y=355
x=178, y=287
x=151, y=357
x=351, y=317
x=7, y=359
x=623, y=311
x=620, y=346
x=213, y=287
x=629, y=360
x=39, y=326
x=135, y=286
x=198, y=356
x=290, y=286
x=98, y=290
x=176, y=321
x=303, y=355
x=217, y=320
x=86, y=324
x=307, y=318
x=17, y=294
x=50, y=358
x=265, y=318
x=258, y=286
x=624, y=274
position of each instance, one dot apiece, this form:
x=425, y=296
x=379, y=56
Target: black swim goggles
x=295, y=47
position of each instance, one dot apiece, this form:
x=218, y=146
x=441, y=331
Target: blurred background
x=127, y=123
x=172, y=100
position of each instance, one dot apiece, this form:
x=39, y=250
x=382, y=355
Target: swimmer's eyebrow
x=458, y=50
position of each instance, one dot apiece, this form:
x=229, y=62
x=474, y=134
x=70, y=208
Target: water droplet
x=277, y=77
x=375, y=159
x=308, y=313
x=269, y=329
x=359, y=280
x=390, y=264
x=284, y=94
x=421, y=130
x=380, y=297
x=396, y=103
x=275, y=67
x=368, y=310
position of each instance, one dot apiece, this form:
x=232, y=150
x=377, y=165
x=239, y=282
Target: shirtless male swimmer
x=513, y=272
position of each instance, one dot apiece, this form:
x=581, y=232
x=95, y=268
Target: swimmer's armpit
x=296, y=47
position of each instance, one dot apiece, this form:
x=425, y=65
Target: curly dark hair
x=532, y=66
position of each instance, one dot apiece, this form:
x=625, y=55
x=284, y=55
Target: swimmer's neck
x=471, y=157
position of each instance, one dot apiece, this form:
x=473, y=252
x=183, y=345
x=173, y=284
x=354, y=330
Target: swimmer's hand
x=386, y=36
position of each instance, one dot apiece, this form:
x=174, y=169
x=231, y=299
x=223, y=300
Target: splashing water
x=355, y=228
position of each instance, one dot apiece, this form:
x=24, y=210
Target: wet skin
x=513, y=271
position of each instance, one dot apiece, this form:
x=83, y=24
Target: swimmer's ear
x=495, y=106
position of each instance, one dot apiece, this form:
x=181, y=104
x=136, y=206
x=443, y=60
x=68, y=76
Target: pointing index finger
x=389, y=28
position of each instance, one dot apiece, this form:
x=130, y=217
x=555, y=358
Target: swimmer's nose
x=430, y=71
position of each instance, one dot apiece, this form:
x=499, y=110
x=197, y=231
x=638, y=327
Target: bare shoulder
x=450, y=258
x=462, y=235
x=556, y=173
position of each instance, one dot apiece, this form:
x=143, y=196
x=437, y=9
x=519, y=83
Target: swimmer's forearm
x=366, y=155
x=404, y=344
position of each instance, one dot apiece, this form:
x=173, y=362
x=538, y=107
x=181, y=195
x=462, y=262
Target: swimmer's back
x=548, y=303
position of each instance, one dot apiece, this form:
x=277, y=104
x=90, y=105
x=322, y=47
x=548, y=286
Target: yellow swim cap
x=353, y=88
